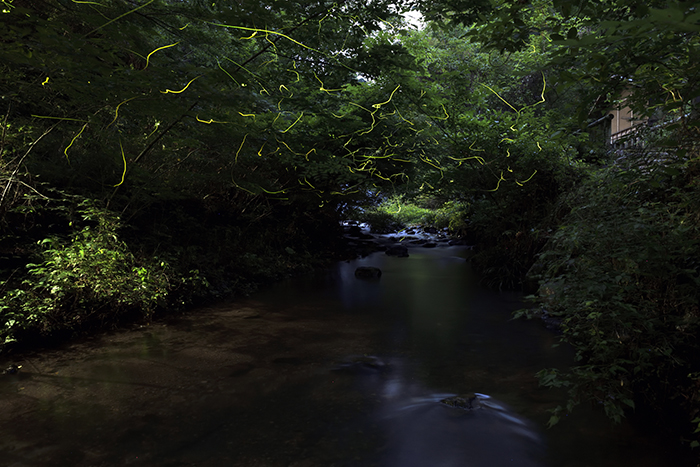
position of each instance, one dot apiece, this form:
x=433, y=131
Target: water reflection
x=420, y=428
x=443, y=333
x=424, y=432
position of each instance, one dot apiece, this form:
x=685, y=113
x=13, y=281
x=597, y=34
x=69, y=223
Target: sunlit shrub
x=86, y=278
x=397, y=213
x=394, y=214
x=452, y=215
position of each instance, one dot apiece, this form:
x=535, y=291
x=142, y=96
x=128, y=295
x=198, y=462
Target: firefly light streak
x=156, y=50
x=359, y=159
x=119, y=17
x=116, y=111
x=65, y=151
x=124, y=160
x=363, y=161
x=181, y=90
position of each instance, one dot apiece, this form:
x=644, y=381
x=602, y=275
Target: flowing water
x=326, y=370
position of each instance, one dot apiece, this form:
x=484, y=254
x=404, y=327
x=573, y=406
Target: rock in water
x=368, y=272
x=466, y=402
x=362, y=364
x=397, y=250
x=354, y=231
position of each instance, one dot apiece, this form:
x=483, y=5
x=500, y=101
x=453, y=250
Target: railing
x=627, y=138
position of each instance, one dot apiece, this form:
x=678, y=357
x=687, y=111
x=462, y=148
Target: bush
x=452, y=215
x=91, y=276
x=623, y=275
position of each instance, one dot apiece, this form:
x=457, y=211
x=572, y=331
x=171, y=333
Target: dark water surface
x=327, y=370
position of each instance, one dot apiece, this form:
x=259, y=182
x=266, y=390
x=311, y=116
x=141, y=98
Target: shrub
x=452, y=215
x=623, y=276
x=91, y=276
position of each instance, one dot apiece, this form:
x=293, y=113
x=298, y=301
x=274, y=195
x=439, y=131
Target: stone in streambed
x=368, y=272
x=465, y=402
x=12, y=370
x=354, y=231
x=362, y=364
x=397, y=250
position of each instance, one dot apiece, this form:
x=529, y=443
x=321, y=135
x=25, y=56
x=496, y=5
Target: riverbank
x=103, y=276
x=75, y=267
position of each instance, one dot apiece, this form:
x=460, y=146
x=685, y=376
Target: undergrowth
x=74, y=266
x=623, y=276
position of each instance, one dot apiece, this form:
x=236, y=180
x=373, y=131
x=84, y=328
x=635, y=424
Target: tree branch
x=19, y=164
x=149, y=147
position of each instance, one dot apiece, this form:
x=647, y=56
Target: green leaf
x=553, y=420
x=667, y=15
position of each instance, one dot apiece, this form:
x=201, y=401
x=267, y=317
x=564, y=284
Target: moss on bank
x=398, y=212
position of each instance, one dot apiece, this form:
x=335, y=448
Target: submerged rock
x=362, y=364
x=368, y=272
x=397, y=250
x=466, y=402
x=458, y=242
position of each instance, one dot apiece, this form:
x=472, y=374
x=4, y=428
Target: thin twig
x=33, y=189
x=273, y=43
x=162, y=133
x=8, y=179
x=4, y=130
x=19, y=164
x=149, y=147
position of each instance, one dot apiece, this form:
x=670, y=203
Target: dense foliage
x=211, y=142
x=621, y=273
x=620, y=270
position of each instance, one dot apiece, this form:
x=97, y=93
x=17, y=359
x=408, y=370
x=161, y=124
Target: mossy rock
x=464, y=402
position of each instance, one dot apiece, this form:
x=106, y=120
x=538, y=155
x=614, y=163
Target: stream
x=323, y=370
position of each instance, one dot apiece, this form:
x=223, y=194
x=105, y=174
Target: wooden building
x=617, y=127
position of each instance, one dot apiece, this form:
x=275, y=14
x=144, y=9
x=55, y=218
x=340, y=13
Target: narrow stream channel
x=325, y=370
